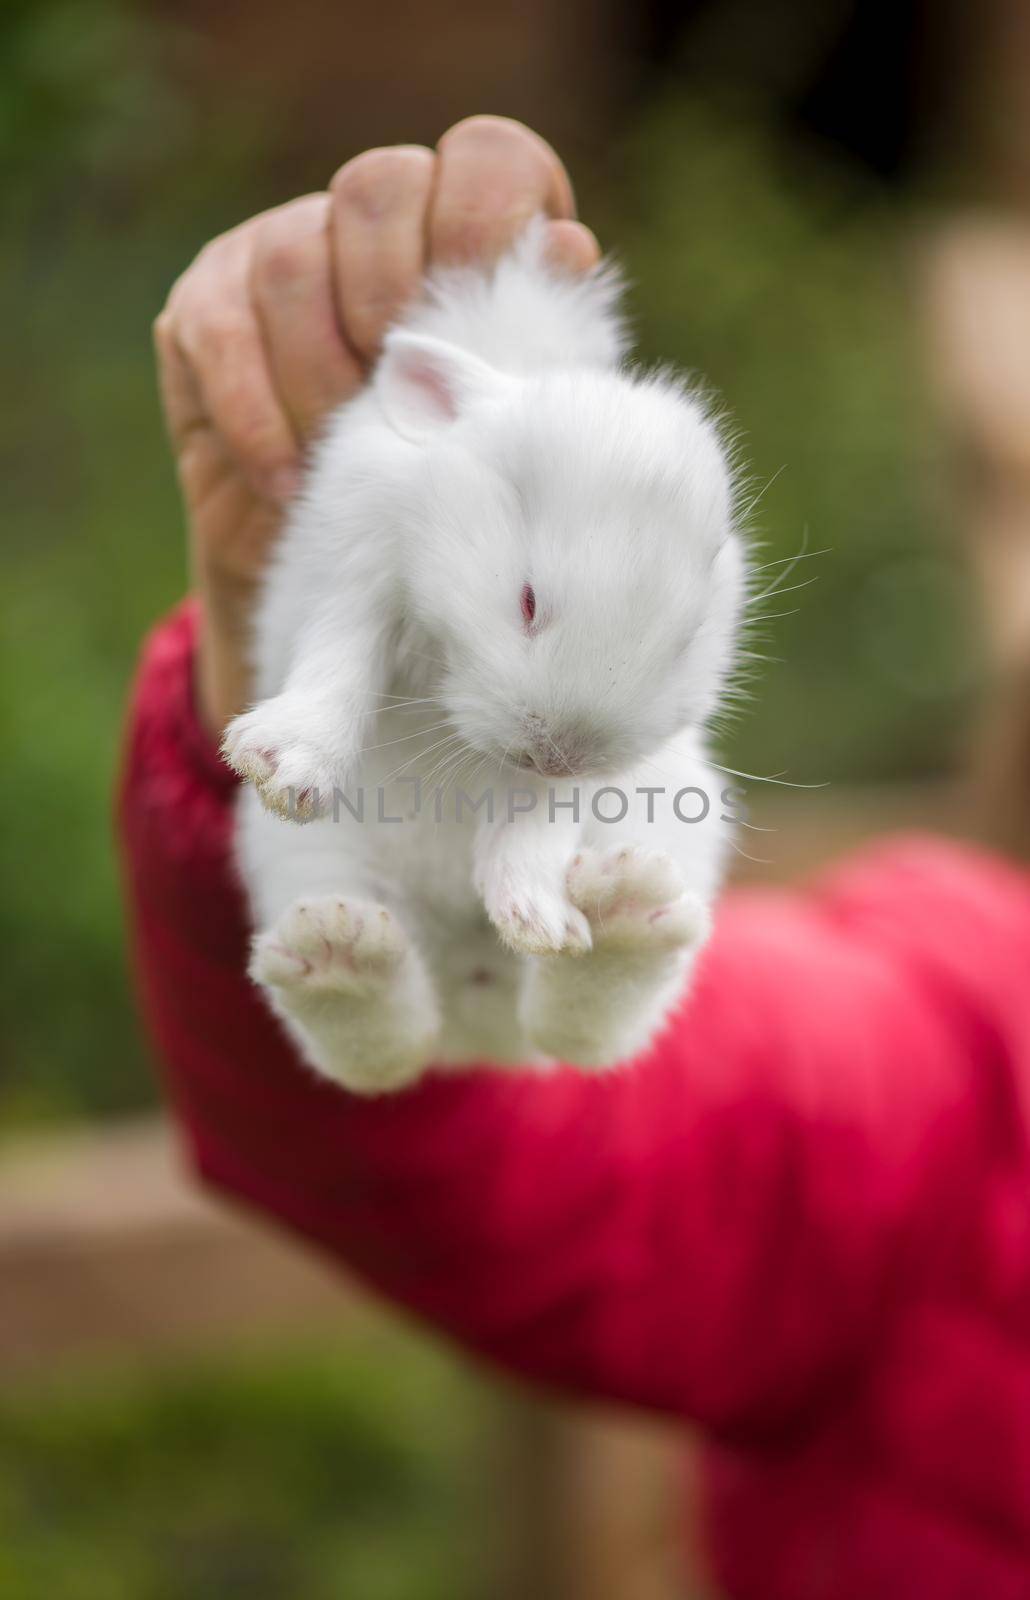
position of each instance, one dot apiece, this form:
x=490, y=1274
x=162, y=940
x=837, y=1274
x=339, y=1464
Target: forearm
x=223, y=682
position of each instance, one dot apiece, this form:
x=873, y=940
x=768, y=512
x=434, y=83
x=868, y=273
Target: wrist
x=223, y=676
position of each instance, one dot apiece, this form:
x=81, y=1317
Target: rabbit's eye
x=528, y=604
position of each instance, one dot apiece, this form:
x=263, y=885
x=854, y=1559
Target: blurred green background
x=764, y=256
x=306, y=1476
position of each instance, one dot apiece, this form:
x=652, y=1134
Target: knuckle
x=499, y=176
x=179, y=293
x=163, y=328
x=212, y=264
x=503, y=158
x=203, y=306
x=482, y=227
x=212, y=256
x=281, y=259
x=214, y=334
x=377, y=180
x=498, y=134
x=289, y=246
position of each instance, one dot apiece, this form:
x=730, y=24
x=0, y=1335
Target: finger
x=291, y=290
x=571, y=247
x=180, y=395
x=217, y=333
x=379, y=206
x=494, y=175
x=200, y=459
x=209, y=475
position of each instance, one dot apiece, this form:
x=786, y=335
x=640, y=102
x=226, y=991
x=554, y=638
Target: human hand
x=279, y=320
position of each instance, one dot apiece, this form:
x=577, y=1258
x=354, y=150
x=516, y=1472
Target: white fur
x=500, y=445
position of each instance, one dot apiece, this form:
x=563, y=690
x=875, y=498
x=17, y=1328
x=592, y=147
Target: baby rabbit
x=503, y=608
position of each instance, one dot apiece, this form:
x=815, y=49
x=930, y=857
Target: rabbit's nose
x=550, y=761
x=550, y=764
x=544, y=753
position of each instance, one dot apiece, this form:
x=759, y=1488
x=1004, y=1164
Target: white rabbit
x=513, y=575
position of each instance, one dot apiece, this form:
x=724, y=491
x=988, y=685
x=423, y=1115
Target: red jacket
x=802, y=1221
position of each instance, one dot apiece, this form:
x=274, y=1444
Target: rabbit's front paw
x=634, y=899
x=273, y=747
x=532, y=918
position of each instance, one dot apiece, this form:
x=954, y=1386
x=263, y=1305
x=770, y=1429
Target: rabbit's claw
x=269, y=747
x=330, y=944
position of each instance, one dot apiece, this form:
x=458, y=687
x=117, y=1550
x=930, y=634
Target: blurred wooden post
x=603, y=1495
x=979, y=337
x=979, y=326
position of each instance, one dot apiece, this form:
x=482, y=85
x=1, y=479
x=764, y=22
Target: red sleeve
x=714, y=1232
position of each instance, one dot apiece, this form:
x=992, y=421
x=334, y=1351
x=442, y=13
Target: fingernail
x=571, y=247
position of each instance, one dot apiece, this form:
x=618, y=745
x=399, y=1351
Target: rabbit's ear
x=424, y=384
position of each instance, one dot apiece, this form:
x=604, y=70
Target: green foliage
x=98, y=218
x=84, y=92
x=782, y=281
x=306, y=1477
